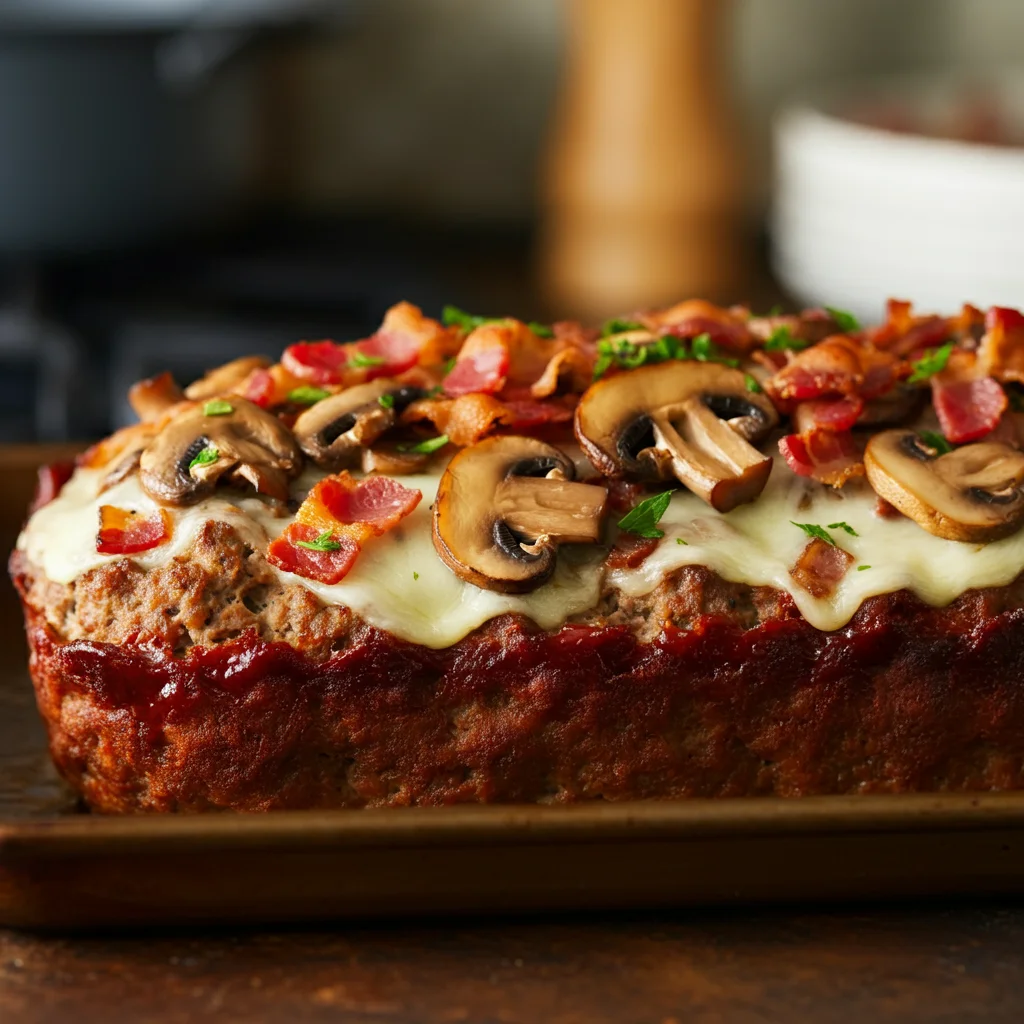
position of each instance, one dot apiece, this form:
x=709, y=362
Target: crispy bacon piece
x=967, y=409
x=828, y=457
x=695, y=316
x=123, y=532
x=324, y=566
x=836, y=414
x=1001, y=353
x=810, y=327
x=340, y=514
x=468, y=418
x=837, y=367
x=820, y=567
x=886, y=511
x=152, y=398
x=120, y=443
x=629, y=551
x=259, y=387
x=483, y=365
x=405, y=338
x=572, y=368
x=50, y=482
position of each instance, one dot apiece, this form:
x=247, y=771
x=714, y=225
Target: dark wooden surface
x=878, y=966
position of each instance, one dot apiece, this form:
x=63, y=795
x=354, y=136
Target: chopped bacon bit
x=259, y=387
x=623, y=495
x=572, y=368
x=823, y=455
x=904, y=334
x=123, y=532
x=836, y=414
x=524, y=414
x=696, y=316
x=329, y=566
x=346, y=513
x=836, y=367
x=318, y=362
x=630, y=551
x=1001, y=353
x=136, y=436
x=152, y=398
x=50, y=483
x=886, y=511
x=968, y=409
x=820, y=567
x=810, y=326
x=481, y=371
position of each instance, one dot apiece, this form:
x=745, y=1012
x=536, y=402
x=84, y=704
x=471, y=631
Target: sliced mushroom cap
x=246, y=444
x=974, y=493
x=695, y=421
x=333, y=431
x=504, y=505
x=224, y=378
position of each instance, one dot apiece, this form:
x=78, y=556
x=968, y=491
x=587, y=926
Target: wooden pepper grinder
x=642, y=191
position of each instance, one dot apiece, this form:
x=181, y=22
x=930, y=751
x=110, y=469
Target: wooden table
x=960, y=963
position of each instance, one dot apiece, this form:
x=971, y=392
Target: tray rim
x=489, y=825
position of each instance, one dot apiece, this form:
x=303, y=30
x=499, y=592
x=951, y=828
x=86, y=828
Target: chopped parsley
x=218, y=407
x=932, y=362
x=679, y=540
x=751, y=381
x=617, y=326
x=361, y=361
x=386, y=401
x=844, y=526
x=452, y=316
x=415, y=575
x=428, y=447
x=627, y=354
x=307, y=395
x=541, y=330
x=861, y=568
x=782, y=338
x=323, y=542
x=818, y=532
x=936, y=441
x=449, y=365
x=846, y=322
x=643, y=520
x=206, y=457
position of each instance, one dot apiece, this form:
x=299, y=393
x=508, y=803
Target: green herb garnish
x=432, y=444
x=846, y=322
x=844, y=526
x=813, y=530
x=415, y=575
x=541, y=330
x=782, y=338
x=936, y=441
x=386, y=401
x=218, y=407
x=452, y=316
x=643, y=520
x=706, y=351
x=324, y=542
x=932, y=362
x=307, y=395
x=679, y=540
x=361, y=361
x=617, y=326
x=206, y=457
x=861, y=568
x=449, y=365
x=751, y=381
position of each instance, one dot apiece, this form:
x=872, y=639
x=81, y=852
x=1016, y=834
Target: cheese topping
x=399, y=583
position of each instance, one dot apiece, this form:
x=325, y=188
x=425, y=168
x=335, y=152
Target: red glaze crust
x=906, y=697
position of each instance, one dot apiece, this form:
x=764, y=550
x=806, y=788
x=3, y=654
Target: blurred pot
x=96, y=150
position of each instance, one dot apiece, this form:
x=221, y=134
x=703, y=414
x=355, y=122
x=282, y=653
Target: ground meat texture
x=208, y=684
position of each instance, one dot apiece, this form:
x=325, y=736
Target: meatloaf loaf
x=695, y=553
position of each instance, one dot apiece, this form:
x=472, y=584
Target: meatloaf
x=697, y=553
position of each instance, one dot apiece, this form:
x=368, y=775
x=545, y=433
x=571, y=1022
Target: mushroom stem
x=708, y=455
x=560, y=510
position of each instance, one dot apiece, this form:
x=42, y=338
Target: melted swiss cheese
x=399, y=583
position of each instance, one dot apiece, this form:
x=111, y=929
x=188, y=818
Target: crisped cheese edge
x=399, y=584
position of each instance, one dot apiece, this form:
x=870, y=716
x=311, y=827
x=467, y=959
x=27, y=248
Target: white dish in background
x=863, y=213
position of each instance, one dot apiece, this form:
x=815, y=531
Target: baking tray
x=62, y=868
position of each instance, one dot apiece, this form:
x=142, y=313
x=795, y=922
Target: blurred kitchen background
x=185, y=181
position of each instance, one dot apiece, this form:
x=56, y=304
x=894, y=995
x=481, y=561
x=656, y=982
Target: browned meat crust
x=208, y=685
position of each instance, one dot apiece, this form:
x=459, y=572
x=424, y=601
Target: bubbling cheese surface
x=399, y=584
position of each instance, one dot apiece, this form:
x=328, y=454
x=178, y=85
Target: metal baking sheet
x=62, y=868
